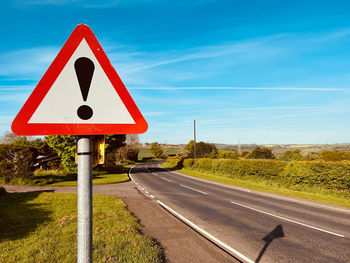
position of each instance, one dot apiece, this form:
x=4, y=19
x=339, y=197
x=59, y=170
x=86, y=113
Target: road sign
x=80, y=94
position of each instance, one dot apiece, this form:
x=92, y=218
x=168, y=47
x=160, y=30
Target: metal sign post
x=84, y=199
x=81, y=94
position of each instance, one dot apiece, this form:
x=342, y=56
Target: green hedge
x=16, y=161
x=335, y=175
x=175, y=162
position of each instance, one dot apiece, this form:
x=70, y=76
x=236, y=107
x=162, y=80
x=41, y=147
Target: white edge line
x=193, y=189
x=166, y=179
x=309, y=203
x=205, y=233
x=287, y=219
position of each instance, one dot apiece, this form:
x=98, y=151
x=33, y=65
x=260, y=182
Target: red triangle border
x=20, y=125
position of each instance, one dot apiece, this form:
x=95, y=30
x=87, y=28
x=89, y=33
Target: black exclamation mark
x=84, y=68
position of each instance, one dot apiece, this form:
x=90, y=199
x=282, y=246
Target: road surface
x=251, y=225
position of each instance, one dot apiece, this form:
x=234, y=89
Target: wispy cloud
x=237, y=88
x=15, y=87
x=107, y=3
x=26, y=62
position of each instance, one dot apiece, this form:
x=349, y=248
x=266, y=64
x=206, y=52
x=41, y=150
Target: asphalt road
x=253, y=226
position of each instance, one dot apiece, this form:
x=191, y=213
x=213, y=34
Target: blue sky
x=263, y=71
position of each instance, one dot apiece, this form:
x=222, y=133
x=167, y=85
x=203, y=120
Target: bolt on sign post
x=81, y=94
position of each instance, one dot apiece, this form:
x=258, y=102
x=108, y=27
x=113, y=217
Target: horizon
x=262, y=72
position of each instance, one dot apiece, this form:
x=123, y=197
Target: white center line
x=193, y=189
x=146, y=192
x=287, y=219
x=166, y=179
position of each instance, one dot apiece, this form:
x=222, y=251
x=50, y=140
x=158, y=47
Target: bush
x=335, y=175
x=127, y=153
x=156, y=150
x=261, y=153
x=228, y=155
x=175, y=162
x=203, y=149
x=16, y=161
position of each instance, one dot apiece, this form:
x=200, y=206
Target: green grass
x=146, y=153
x=311, y=193
x=62, y=178
x=42, y=227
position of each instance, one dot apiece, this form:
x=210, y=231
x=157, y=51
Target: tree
x=261, y=153
x=293, y=155
x=113, y=143
x=127, y=153
x=65, y=147
x=157, y=150
x=203, y=149
x=332, y=156
x=132, y=139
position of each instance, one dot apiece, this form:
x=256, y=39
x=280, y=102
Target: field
x=41, y=227
x=146, y=153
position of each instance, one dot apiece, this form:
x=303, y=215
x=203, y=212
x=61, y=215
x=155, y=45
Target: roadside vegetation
x=146, y=153
x=46, y=230
x=322, y=177
x=52, y=162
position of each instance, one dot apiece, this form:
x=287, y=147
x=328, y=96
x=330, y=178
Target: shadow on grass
x=98, y=173
x=52, y=179
x=18, y=217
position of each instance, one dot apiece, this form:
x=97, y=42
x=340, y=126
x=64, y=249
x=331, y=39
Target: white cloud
x=238, y=88
x=26, y=62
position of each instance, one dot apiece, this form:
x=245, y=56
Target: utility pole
x=194, y=139
x=239, y=146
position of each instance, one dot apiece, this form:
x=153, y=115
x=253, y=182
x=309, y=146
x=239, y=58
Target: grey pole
x=194, y=139
x=84, y=199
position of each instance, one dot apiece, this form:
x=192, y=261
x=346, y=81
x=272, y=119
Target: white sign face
x=65, y=97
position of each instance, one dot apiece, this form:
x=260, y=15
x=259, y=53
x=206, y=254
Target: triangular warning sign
x=80, y=94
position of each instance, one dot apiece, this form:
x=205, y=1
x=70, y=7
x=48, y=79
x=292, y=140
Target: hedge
x=16, y=161
x=329, y=175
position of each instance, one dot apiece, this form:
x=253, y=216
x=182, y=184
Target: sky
x=264, y=72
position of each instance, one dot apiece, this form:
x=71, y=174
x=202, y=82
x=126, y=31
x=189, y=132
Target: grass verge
x=42, y=227
x=311, y=193
x=62, y=178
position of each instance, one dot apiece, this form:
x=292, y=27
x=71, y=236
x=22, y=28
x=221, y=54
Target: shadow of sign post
x=276, y=233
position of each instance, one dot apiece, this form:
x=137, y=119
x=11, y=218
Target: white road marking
x=155, y=174
x=309, y=203
x=289, y=220
x=193, y=189
x=146, y=192
x=205, y=233
x=207, y=181
x=166, y=179
x=152, y=196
